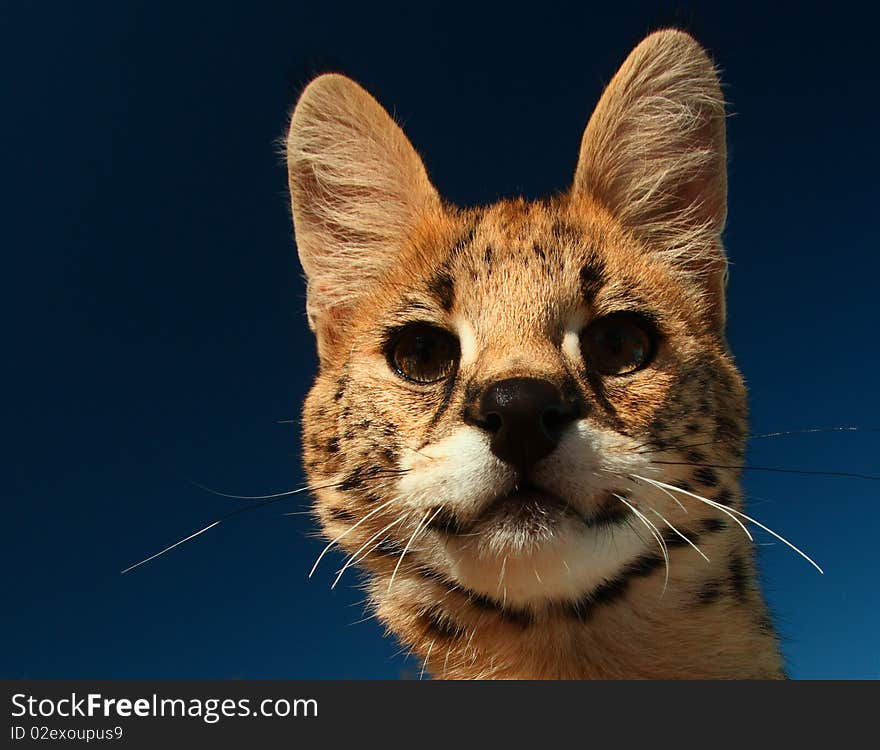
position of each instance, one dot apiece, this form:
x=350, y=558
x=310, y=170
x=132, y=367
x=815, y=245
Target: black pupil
x=617, y=346
x=424, y=354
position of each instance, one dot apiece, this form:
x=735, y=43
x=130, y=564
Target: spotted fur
x=404, y=481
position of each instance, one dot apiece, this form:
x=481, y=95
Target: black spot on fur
x=448, y=390
x=333, y=445
x=353, y=481
x=706, y=476
x=739, y=579
x=724, y=496
x=438, y=623
x=610, y=511
x=521, y=617
x=616, y=588
x=387, y=548
x=341, y=386
x=442, y=288
x=539, y=251
x=341, y=514
x=765, y=624
x=592, y=279
x=710, y=592
x=713, y=525
x=694, y=456
x=446, y=522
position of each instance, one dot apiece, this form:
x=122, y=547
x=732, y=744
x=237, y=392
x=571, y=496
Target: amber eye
x=423, y=353
x=619, y=343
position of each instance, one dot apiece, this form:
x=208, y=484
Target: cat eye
x=619, y=343
x=423, y=353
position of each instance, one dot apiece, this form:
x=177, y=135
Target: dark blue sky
x=157, y=333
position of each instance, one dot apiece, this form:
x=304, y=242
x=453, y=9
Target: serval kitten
x=527, y=421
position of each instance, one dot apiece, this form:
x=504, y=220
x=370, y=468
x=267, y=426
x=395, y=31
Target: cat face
x=507, y=393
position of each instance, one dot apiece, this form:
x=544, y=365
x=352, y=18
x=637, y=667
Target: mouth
x=529, y=511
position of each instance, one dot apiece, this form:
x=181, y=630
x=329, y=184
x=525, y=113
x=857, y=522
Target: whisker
x=683, y=536
x=426, y=521
x=806, y=472
x=346, y=533
x=354, y=557
x=268, y=500
x=425, y=663
x=724, y=509
x=655, y=532
x=748, y=518
x=762, y=436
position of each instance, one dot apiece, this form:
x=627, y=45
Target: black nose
x=525, y=417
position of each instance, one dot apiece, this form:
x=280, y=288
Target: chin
x=531, y=548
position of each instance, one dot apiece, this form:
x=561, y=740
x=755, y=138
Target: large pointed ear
x=357, y=187
x=654, y=154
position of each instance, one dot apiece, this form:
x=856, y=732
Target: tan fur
x=380, y=250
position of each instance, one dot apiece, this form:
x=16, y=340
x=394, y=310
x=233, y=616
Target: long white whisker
x=346, y=533
x=425, y=663
x=426, y=521
x=724, y=509
x=354, y=558
x=170, y=547
x=656, y=534
x=759, y=525
x=667, y=522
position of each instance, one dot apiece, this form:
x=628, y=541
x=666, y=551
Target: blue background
x=155, y=307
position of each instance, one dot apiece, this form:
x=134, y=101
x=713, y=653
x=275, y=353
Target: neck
x=706, y=621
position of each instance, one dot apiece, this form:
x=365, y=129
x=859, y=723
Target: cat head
x=505, y=393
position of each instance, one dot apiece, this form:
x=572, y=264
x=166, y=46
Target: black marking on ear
x=711, y=592
x=706, y=476
x=739, y=579
x=441, y=286
x=592, y=279
x=439, y=623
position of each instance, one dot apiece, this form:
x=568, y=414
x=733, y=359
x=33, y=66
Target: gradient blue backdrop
x=155, y=304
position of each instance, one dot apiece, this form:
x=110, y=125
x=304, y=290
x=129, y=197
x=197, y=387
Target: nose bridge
x=521, y=356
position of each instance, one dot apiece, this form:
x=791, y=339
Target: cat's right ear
x=357, y=188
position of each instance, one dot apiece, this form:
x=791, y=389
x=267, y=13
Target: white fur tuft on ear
x=357, y=187
x=654, y=153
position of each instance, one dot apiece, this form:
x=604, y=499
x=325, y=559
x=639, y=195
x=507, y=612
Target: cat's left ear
x=357, y=188
x=654, y=154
